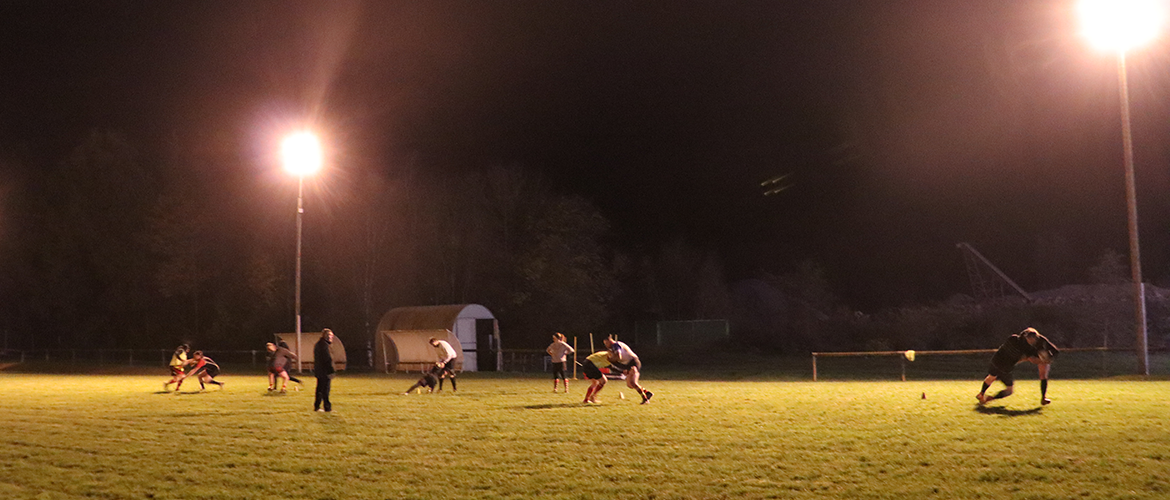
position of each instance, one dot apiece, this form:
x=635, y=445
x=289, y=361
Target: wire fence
x=514, y=360
x=524, y=360
x=1091, y=362
x=125, y=357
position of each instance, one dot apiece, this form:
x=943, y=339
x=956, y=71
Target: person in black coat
x=323, y=370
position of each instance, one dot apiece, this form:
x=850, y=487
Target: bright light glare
x=1120, y=25
x=301, y=153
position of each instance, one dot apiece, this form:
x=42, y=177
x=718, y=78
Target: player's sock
x=984, y=389
x=453, y=388
x=1001, y=394
x=201, y=386
x=441, y=383
x=1043, y=388
x=217, y=383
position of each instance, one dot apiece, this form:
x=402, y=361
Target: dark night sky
x=906, y=126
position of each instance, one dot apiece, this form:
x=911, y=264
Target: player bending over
x=204, y=369
x=290, y=377
x=278, y=360
x=177, y=360
x=624, y=359
x=1027, y=345
x=592, y=368
x=446, y=361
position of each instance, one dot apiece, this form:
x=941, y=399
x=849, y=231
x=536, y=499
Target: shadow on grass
x=553, y=406
x=999, y=410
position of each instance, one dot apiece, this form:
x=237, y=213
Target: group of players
x=616, y=360
x=203, y=368
x=443, y=369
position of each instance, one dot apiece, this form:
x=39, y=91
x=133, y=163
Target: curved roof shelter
x=472, y=330
x=431, y=317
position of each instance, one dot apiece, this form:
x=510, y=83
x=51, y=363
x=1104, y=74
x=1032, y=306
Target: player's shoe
x=166, y=386
x=982, y=399
x=1044, y=401
x=646, y=395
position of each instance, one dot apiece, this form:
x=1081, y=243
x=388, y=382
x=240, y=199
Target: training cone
x=924, y=395
x=621, y=395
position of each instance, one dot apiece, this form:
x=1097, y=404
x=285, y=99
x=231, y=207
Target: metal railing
x=524, y=360
x=125, y=357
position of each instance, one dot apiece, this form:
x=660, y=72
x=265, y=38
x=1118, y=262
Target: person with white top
x=624, y=359
x=447, y=360
x=558, y=351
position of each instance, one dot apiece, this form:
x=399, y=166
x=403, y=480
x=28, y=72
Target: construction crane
x=987, y=281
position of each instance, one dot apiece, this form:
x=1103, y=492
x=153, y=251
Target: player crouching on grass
x=1027, y=345
x=429, y=380
x=177, y=361
x=624, y=359
x=592, y=368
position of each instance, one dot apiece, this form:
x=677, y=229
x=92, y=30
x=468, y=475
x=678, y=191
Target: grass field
x=117, y=436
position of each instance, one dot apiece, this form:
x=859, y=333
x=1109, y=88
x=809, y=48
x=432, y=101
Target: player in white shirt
x=447, y=360
x=624, y=359
x=558, y=351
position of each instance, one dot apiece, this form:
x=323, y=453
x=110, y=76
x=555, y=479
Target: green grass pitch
x=117, y=436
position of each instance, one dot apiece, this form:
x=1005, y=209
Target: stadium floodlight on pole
x=1120, y=26
x=301, y=155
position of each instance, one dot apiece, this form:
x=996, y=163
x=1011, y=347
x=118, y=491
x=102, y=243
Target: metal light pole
x=1135, y=259
x=300, y=216
x=1121, y=25
x=301, y=153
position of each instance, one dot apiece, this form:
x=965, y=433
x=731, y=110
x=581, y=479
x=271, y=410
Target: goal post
x=959, y=361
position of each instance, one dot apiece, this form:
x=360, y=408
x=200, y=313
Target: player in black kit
x=1027, y=345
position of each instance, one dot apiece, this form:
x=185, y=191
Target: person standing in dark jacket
x=323, y=370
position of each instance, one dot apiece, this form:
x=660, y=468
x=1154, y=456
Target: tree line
x=107, y=247
x=112, y=248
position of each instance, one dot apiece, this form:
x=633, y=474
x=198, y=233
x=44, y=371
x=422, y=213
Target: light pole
x=301, y=154
x=1119, y=26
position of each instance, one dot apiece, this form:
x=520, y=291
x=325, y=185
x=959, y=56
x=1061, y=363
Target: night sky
x=904, y=127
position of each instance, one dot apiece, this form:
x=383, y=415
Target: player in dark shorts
x=278, y=360
x=447, y=358
x=592, y=369
x=204, y=369
x=558, y=353
x=291, y=378
x=1027, y=345
x=178, y=359
x=624, y=359
x=429, y=380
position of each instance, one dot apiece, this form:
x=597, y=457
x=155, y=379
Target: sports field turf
x=95, y=436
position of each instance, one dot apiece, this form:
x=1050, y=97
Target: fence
x=128, y=357
x=1087, y=362
x=515, y=360
x=524, y=360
